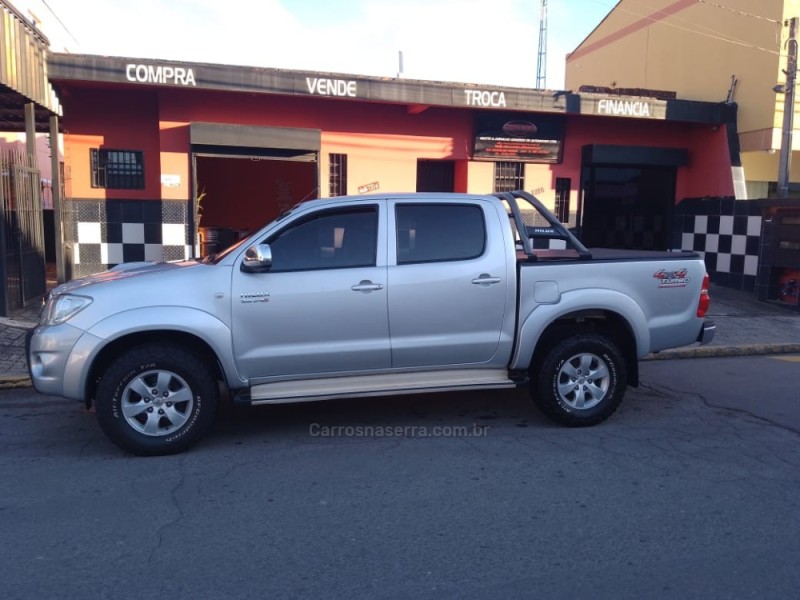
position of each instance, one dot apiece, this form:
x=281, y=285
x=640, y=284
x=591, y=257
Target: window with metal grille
x=509, y=176
x=117, y=169
x=337, y=175
x=563, y=188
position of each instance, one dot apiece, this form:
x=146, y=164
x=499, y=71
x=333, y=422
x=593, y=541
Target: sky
x=465, y=41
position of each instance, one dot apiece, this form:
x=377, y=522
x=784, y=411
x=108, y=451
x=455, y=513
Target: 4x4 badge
x=670, y=279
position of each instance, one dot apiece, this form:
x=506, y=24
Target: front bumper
x=707, y=333
x=47, y=351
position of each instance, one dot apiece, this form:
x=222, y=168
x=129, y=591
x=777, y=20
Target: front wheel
x=156, y=399
x=580, y=381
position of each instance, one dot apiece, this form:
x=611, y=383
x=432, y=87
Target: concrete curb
x=8, y=382
x=723, y=351
x=16, y=324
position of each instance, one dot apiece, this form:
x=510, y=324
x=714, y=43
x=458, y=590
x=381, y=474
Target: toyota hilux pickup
x=367, y=296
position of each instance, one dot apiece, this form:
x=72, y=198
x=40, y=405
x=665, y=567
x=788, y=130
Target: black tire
x=565, y=392
x=156, y=399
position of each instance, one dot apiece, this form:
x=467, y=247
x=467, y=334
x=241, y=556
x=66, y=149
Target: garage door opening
x=628, y=207
x=241, y=193
x=245, y=176
x=628, y=195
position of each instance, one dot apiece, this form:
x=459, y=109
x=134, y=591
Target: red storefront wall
x=382, y=141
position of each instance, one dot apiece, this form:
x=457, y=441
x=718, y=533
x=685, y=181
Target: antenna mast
x=541, y=63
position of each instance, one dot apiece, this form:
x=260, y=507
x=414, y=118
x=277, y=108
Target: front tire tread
x=131, y=364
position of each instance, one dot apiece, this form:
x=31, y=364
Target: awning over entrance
x=643, y=156
x=23, y=74
x=27, y=103
x=264, y=141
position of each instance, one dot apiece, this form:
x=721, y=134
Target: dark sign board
x=527, y=137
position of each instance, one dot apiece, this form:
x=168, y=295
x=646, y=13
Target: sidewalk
x=13, y=370
x=744, y=327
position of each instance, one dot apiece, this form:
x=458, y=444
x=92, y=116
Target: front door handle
x=366, y=286
x=486, y=280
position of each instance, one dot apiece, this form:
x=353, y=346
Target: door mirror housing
x=257, y=259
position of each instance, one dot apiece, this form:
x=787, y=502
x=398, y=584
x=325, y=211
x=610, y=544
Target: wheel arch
x=600, y=321
x=115, y=348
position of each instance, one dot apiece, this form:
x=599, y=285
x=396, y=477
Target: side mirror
x=257, y=259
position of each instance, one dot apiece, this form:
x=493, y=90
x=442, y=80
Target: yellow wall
x=388, y=160
x=391, y=162
x=676, y=45
x=77, y=165
x=480, y=177
x=174, y=161
x=539, y=181
x=763, y=166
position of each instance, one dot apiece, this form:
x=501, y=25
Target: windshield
x=216, y=257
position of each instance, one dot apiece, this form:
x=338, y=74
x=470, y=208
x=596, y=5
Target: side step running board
x=380, y=385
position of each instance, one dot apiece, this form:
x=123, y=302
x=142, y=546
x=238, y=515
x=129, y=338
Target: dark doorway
x=246, y=175
x=435, y=175
x=240, y=193
x=627, y=206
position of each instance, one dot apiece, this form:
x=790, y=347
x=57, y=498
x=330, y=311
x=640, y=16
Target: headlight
x=62, y=308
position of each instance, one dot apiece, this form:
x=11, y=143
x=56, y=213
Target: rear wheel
x=156, y=399
x=580, y=381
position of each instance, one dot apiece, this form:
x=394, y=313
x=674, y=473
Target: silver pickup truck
x=367, y=296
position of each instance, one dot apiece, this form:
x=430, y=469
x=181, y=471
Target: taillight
x=705, y=300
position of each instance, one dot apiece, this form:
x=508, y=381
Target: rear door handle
x=486, y=280
x=366, y=286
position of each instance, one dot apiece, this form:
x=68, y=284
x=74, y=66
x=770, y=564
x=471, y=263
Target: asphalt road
x=692, y=490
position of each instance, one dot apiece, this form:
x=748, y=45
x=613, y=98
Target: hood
x=122, y=271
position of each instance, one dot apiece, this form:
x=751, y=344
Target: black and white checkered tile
x=107, y=233
x=110, y=244
x=728, y=243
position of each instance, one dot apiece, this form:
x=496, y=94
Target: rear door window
x=439, y=232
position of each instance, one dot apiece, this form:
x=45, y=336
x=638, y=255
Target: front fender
x=584, y=299
x=191, y=321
